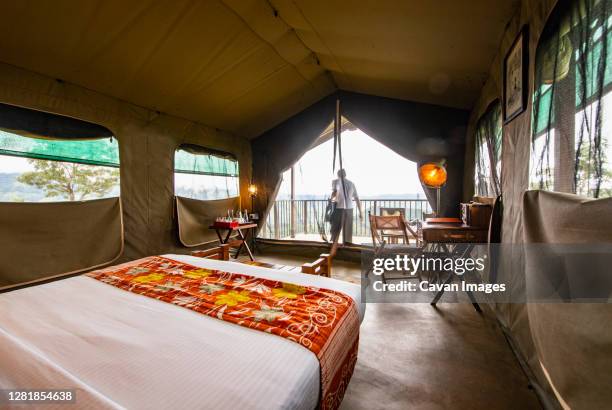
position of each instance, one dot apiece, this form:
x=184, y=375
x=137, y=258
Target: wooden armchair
x=411, y=225
x=397, y=223
x=391, y=226
x=392, y=236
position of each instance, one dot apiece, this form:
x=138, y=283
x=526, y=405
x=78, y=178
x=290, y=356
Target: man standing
x=343, y=194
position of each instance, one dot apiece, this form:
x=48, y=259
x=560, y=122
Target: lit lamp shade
x=432, y=175
x=253, y=190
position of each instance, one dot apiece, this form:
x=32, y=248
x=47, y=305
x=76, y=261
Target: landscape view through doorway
x=371, y=166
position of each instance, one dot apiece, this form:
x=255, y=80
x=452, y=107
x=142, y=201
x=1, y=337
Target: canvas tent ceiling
x=246, y=65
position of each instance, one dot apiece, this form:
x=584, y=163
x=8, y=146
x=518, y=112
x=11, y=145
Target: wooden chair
x=397, y=223
x=393, y=236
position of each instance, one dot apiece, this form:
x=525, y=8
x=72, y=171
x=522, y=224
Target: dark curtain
x=39, y=124
x=573, y=76
x=279, y=148
x=419, y=132
x=488, y=152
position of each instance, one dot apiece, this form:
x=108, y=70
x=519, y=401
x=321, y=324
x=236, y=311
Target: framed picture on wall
x=515, y=76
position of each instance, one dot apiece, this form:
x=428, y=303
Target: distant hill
x=13, y=191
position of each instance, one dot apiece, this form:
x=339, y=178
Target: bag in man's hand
x=329, y=210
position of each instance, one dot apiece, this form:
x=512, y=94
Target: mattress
x=124, y=350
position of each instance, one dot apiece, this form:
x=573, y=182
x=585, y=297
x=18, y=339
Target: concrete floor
x=415, y=356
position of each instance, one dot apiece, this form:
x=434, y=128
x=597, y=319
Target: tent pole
x=293, y=213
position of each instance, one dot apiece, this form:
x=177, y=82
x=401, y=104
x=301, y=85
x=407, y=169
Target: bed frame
x=321, y=267
x=220, y=252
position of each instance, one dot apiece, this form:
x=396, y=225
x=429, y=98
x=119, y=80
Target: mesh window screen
x=205, y=174
x=487, y=179
x=103, y=152
x=572, y=106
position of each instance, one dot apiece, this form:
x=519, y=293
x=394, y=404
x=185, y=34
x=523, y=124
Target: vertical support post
x=305, y=216
x=293, y=213
x=276, y=230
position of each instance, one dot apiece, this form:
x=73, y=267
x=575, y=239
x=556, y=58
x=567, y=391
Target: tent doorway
x=299, y=207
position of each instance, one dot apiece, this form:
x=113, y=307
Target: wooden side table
x=240, y=242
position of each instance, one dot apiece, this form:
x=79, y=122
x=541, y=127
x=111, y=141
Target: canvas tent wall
x=147, y=144
x=555, y=365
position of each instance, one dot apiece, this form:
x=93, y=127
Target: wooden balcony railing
x=304, y=218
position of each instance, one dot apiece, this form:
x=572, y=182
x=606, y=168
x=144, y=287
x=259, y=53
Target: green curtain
x=573, y=75
x=488, y=152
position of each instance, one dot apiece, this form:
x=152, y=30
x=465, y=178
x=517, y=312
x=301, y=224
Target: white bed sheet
x=123, y=350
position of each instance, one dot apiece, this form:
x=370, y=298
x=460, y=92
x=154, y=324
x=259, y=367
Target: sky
x=375, y=169
x=14, y=164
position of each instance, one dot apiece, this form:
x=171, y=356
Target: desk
x=241, y=242
x=455, y=241
x=453, y=233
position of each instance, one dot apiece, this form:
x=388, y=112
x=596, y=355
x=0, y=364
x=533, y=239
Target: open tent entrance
x=384, y=180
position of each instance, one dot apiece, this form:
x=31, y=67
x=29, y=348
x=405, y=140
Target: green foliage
x=586, y=176
x=70, y=180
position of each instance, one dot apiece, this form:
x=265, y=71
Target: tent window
x=201, y=173
x=572, y=103
x=487, y=177
x=46, y=157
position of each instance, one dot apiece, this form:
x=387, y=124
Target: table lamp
x=253, y=192
x=433, y=175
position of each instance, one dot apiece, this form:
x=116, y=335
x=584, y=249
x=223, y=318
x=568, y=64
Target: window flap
x=39, y=124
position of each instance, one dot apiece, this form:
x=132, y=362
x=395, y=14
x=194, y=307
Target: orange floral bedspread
x=324, y=321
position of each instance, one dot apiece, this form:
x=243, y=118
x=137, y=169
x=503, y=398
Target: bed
x=124, y=350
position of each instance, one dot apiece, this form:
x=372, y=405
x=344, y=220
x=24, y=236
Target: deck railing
x=304, y=218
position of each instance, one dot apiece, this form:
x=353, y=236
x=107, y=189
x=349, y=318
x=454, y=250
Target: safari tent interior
x=120, y=290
